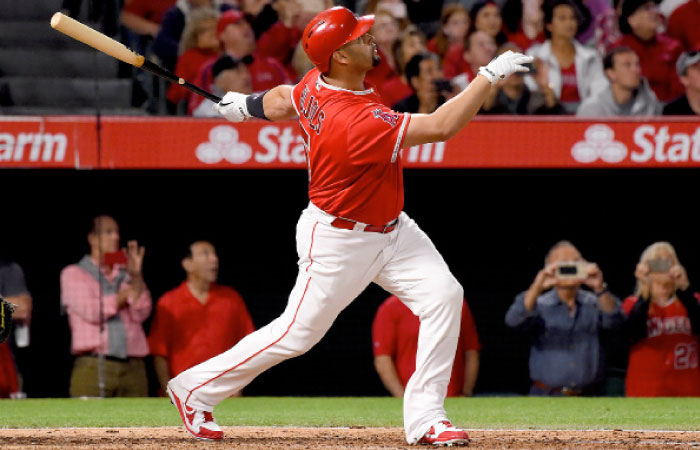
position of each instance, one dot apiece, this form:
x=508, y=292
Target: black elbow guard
x=254, y=103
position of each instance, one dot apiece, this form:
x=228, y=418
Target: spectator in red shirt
x=658, y=53
x=280, y=40
x=198, y=45
x=454, y=25
x=198, y=319
x=14, y=289
x=683, y=24
x=386, y=32
x=144, y=17
x=663, y=324
x=395, y=342
x=479, y=49
x=410, y=43
x=107, y=302
x=523, y=22
x=238, y=41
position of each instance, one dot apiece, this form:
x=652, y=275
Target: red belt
x=347, y=224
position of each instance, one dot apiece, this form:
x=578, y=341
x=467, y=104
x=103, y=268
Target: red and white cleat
x=200, y=424
x=443, y=433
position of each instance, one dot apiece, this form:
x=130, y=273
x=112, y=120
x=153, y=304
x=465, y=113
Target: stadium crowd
x=593, y=57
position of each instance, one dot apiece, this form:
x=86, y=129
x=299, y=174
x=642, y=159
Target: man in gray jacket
x=629, y=93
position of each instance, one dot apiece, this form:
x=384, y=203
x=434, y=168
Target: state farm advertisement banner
x=57, y=142
x=490, y=142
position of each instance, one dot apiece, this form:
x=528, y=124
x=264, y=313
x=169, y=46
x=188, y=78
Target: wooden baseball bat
x=105, y=44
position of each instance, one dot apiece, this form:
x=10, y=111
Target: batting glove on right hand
x=504, y=65
x=233, y=106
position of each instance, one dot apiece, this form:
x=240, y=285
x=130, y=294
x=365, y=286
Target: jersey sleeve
x=384, y=332
x=158, y=336
x=376, y=133
x=469, y=335
x=628, y=303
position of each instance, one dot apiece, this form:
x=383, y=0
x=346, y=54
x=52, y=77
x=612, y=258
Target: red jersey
x=395, y=333
x=394, y=90
x=569, y=87
x=187, y=332
x=152, y=10
x=352, y=144
x=665, y=364
x=8, y=375
x=683, y=25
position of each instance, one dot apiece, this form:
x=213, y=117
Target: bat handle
x=163, y=73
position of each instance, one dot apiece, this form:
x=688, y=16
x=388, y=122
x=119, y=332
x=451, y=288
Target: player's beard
x=376, y=59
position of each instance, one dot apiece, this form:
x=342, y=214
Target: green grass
x=480, y=412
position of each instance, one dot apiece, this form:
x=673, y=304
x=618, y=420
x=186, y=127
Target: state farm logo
x=284, y=144
x=599, y=143
x=33, y=147
x=223, y=144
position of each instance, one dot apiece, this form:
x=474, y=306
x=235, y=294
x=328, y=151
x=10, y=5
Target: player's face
x=204, y=263
x=362, y=52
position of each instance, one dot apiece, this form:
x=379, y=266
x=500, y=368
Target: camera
x=443, y=85
x=659, y=265
x=572, y=269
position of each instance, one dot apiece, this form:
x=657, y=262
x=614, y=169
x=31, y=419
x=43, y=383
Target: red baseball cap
x=330, y=30
x=227, y=18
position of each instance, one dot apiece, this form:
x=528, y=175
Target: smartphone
x=443, y=85
x=659, y=265
x=112, y=258
x=572, y=269
x=532, y=67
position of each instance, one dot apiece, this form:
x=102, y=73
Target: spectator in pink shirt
x=107, y=301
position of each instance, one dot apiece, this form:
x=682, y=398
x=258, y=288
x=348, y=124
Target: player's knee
x=449, y=292
x=301, y=339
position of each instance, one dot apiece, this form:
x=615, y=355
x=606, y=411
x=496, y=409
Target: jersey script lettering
x=310, y=110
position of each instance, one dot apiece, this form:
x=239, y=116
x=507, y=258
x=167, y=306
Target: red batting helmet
x=330, y=30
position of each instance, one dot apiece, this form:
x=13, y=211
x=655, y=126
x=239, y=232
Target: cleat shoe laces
x=200, y=424
x=443, y=433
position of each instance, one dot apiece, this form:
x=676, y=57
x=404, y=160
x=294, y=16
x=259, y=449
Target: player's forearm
x=459, y=111
x=388, y=374
x=471, y=371
x=277, y=103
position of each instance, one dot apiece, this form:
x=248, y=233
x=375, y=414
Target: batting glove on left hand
x=504, y=65
x=233, y=106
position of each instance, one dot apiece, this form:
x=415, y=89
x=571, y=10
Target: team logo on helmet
x=390, y=118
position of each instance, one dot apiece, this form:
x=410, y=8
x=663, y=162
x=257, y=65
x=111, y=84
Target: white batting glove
x=505, y=64
x=233, y=107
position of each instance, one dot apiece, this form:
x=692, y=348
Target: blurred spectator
x=658, y=53
x=107, y=301
x=607, y=28
x=663, y=323
x=564, y=321
x=396, y=8
x=14, y=290
x=280, y=40
x=198, y=45
x=688, y=104
x=259, y=13
x=590, y=9
x=198, y=319
x=386, y=32
x=167, y=41
x=479, y=50
x=395, y=342
x=238, y=41
x=143, y=17
x=104, y=11
x=410, y=42
x=423, y=74
x=454, y=25
x=229, y=75
x=575, y=71
x=512, y=96
x=486, y=16
x=523, y=22
x=628, y=93
x=683, y=24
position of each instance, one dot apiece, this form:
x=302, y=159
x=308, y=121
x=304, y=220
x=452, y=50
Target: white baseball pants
x=335, y=266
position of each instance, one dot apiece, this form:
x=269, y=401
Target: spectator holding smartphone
x=564, y=322
x=663, y=325
x=430, y=89
x=107, y=302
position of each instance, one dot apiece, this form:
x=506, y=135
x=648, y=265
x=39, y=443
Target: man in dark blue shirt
x=564, y=321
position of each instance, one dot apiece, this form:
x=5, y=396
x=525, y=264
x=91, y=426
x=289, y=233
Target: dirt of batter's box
x=254, y=438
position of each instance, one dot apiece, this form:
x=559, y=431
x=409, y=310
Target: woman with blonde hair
x=454, y=25
x=663, y=325
x=198, y=45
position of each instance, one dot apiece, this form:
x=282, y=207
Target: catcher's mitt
x=6, y=310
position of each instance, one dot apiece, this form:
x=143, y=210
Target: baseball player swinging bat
x=99, y=41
